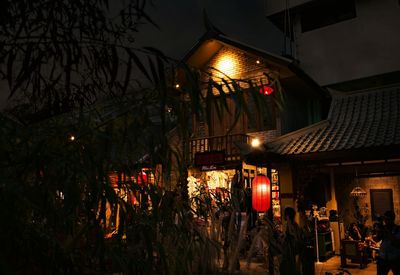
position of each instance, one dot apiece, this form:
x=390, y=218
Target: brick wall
x=243, y=65
x=264, y=136
x=382, y=183
x=346, y=183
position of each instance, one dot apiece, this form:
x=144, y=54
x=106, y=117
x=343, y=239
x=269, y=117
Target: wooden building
x=358, y=145
x=218, y=146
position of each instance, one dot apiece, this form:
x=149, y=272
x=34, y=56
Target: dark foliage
x=86, y=102
x=60, y=54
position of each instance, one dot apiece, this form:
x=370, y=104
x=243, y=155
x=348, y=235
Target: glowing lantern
x=113, y=179
x=142, y=177
x=266, y=90
x=261, y=193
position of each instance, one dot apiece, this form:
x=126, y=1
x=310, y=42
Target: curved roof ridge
x=356, y=120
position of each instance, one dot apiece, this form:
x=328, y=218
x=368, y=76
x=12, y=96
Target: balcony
x=225, y=143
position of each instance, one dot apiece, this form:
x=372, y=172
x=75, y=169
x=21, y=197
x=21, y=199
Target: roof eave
x=279, y=61
x=349, y=155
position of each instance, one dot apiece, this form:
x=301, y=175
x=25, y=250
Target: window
x=325, y=13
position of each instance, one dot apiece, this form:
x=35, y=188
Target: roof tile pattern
x=357, y=120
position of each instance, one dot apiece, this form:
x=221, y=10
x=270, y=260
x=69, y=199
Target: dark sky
x=181, y=24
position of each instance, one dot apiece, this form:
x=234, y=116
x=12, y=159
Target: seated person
x=372, y=244
x=372, y=237
x=353, y=233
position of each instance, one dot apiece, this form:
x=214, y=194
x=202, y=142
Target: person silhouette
x=293, y=244
x=389, y=251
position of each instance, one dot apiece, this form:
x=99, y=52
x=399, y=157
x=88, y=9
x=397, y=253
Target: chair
x=354, y=250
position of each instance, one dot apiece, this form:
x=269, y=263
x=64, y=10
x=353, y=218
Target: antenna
x=287, y=30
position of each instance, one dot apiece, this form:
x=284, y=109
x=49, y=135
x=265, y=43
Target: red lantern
x=266, y=90
x=142, y=177
x=261, y=193
x=113, y=176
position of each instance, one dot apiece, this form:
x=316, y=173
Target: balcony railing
x=226, y=143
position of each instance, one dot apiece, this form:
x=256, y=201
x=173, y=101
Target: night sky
x=181, y=24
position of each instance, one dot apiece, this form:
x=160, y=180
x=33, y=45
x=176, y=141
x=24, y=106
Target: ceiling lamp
x=226, y=65
x=255, y=142
x=358, y=192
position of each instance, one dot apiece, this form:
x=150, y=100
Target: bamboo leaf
x=156, y=52
x=114, y=65
x=208, y=108
x=139, y=64
x=10, y=63
x=240, y=98
x=127, y=75
x=222, y=95
x=148, y=18
x=193, y=90
x=153, y=70
x=211, y=98
x=25, y=73
x=67, y=70
x=232, y=93
x=161, y=74
x=27, y=56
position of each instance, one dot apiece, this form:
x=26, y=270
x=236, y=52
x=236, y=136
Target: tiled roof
x=358, y=120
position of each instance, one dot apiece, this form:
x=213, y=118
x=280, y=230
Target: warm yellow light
x=262, y=188
x=226, y=65
x=72, y=138
x=255, y=142
x=258, y=61
x=177, y=86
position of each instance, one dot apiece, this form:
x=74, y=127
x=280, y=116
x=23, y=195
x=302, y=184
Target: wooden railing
x=219, y=143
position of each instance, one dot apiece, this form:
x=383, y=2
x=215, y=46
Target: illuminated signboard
x=212, y=158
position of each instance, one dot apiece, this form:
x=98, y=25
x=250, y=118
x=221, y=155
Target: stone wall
x=346, y=183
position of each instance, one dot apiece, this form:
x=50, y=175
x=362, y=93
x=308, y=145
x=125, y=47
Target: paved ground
x=332, y=265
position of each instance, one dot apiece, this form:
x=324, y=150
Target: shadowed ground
x=332, y=265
